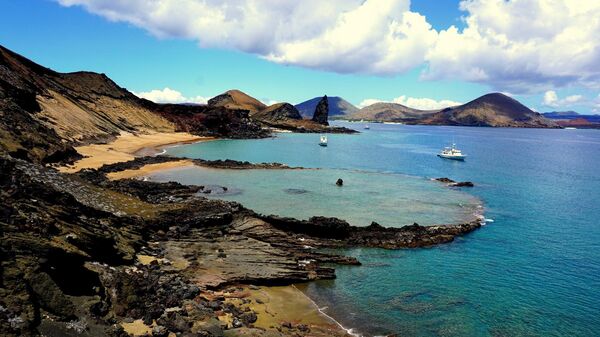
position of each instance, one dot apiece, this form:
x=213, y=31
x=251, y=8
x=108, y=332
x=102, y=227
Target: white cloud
x=415, y=103
x=168, y=95
x=517, y=46
x=370, y=101
x=269, y=102
x=551, y=99
x=521, y=45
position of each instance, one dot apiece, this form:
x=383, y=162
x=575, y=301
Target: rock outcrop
x=277, y=112
x=453, y=183
x=338, y=107
x=322, y=112
x=286, y=117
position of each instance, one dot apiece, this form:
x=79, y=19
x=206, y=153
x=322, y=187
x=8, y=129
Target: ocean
x=533, y=271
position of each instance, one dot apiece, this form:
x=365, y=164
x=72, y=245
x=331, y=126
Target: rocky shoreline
x=153, y=255
x=140, y=162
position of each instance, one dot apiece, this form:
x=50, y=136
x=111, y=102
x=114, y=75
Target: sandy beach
x=284, y=306
x=147, y=169
x=126, y=147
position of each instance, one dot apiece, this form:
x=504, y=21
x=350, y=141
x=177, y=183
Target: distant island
x=491, y=110
x=574, y=119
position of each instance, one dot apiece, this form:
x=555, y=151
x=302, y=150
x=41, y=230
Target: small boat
x=367, y=127
x=570, y=128
x=452, y=153
x=323, y=141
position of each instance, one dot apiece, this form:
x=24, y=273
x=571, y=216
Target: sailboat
x=323, y=141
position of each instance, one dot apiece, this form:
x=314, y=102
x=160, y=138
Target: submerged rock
x=339, y=182
x=295, y=191
x=453, y=183
x=462, y=184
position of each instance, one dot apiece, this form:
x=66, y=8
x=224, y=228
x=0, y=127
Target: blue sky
x=79, y=37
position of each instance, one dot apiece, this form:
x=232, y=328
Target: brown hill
x=497, y=110
x=389, y=112
x=235, y=99
x=44, y=112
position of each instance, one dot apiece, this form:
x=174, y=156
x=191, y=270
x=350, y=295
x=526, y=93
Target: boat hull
x=460, y=158
x=322, y=144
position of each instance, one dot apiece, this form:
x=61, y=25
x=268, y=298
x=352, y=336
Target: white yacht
x=452, y=153
x=323, y=141
x=367, y=127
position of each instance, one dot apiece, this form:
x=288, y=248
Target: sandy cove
x=126, y=147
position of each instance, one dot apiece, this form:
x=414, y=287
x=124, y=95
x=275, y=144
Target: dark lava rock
x=453, y=183
x=248, y=318
x=175, y=322
x=160, y=331
x=339, y=182
x=50, y=295
x=237, y=323
x=322, y=111
x=462, y=184
x=303, y=328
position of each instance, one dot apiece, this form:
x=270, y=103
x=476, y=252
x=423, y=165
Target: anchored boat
x=452, y=152
x=323, y=141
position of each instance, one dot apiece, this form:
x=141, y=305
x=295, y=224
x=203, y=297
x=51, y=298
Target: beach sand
x=126, y=147
x=282, y=305
x=147, y=169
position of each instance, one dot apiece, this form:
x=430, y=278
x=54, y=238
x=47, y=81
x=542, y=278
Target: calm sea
x=534, y=271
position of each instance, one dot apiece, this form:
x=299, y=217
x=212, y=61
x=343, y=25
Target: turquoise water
x=389, y=199
x=534, y=271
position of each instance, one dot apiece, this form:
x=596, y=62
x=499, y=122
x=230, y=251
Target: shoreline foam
x=349, y=331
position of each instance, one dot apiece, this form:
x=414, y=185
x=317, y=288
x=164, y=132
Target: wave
x=350, y=331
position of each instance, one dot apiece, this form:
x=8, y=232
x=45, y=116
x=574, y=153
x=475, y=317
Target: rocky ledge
x=333, y=232
x=139, y=162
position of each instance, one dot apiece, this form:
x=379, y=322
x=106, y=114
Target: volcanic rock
x=321, y=112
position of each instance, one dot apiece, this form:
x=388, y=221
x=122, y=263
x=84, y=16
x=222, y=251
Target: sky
x=421, y=53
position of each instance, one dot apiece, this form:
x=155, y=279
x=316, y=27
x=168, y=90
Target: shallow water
x=534, y=271
x=388, y=199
